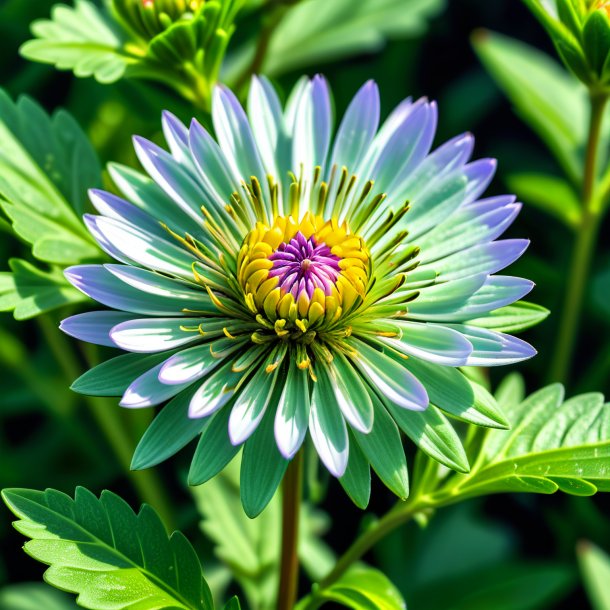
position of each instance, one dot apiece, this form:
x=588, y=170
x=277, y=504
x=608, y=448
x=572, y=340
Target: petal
x=171, y=177
x=312, y=127
x=148, y=196
x=357, y=128
x=389, y=378
x=127, y=243
x=252, y=401
x=196, y=362
x=148, y=391
x=327, y=428
x=155, y=334
x=214, y=393
x=483, y=258
x=481, y=222
x=492, y=348
x=94, y=326
x=351, y=394
x=98, y=283
x=292, y=413
x=431, y=342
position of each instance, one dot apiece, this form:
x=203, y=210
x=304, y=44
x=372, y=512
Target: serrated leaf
x=81, y=39
x=29, y=291
x=548, y=99
x=595, y=568
x=111, y=557
x=360, y=588
x=548, y=193
x=553, y=445
x=319, y=31
x=513, y=318
x=251, y=547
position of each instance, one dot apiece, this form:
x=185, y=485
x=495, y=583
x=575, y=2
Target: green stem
x=107, y=417
x=584, y=249
x=397, y=516
x=291, y=504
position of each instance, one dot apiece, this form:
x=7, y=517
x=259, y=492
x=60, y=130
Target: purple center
x=303, y=265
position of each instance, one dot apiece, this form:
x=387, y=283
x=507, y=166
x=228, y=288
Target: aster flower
x=288, y=282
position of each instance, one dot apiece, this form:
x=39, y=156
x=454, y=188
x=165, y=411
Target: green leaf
x=360, y=588
x=251, y=547
x=81, y=39
x=548, y=193
x=550, y=101
x=553, y=445
x=29, y=291
x=319, y=31
x=108, y=555
x=356, y=481
x=232, y=604
x=595, y=568
x=34, y=596
x=513, y=318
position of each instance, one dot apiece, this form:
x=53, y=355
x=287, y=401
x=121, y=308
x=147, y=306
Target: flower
x=289, y=281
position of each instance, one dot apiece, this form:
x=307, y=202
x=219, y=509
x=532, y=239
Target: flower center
x=305, y=275
x=304, y=265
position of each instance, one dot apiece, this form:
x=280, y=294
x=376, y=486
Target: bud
x=148, y=18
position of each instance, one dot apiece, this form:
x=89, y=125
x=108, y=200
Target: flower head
x=296, y=282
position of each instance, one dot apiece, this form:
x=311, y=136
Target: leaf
x=251, y=547
x=46, y=166
x=108, y=555
x=29, y=292
x=513, y=318
x=318, y=31
x=34, y=596
x=550, y=101
x=81, y=39
x=595, y=568
x=232, y=604
x=553, y=445
x=360, y=588
x=550, y=194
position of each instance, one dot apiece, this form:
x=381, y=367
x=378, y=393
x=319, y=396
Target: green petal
x=357, y=478
x=262, y=468
x=383, y=448
x=214, y=450
x=431, y=431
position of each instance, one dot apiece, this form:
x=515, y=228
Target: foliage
x=107, y=554
x=595, y=566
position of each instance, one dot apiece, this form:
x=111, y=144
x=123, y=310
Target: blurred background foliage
x=508, y=552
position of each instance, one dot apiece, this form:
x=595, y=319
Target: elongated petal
x=492, y=348
x=214, y=393
x=327, y=428
x=155, y=334
x=389, y=378
x=148, y=391
x=431, y=342
x=292, y=415
x=94, y=326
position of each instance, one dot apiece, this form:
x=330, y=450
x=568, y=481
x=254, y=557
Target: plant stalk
x=584, y=249
x=291, y=506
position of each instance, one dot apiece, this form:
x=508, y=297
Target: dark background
x=506, y=539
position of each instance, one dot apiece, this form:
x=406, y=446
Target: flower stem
x=107, y=417
x=291, y=505
x=583, y=250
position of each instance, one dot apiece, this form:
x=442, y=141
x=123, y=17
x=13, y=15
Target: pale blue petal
x=94, y=326
x=148, y=391
x=155, y=334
